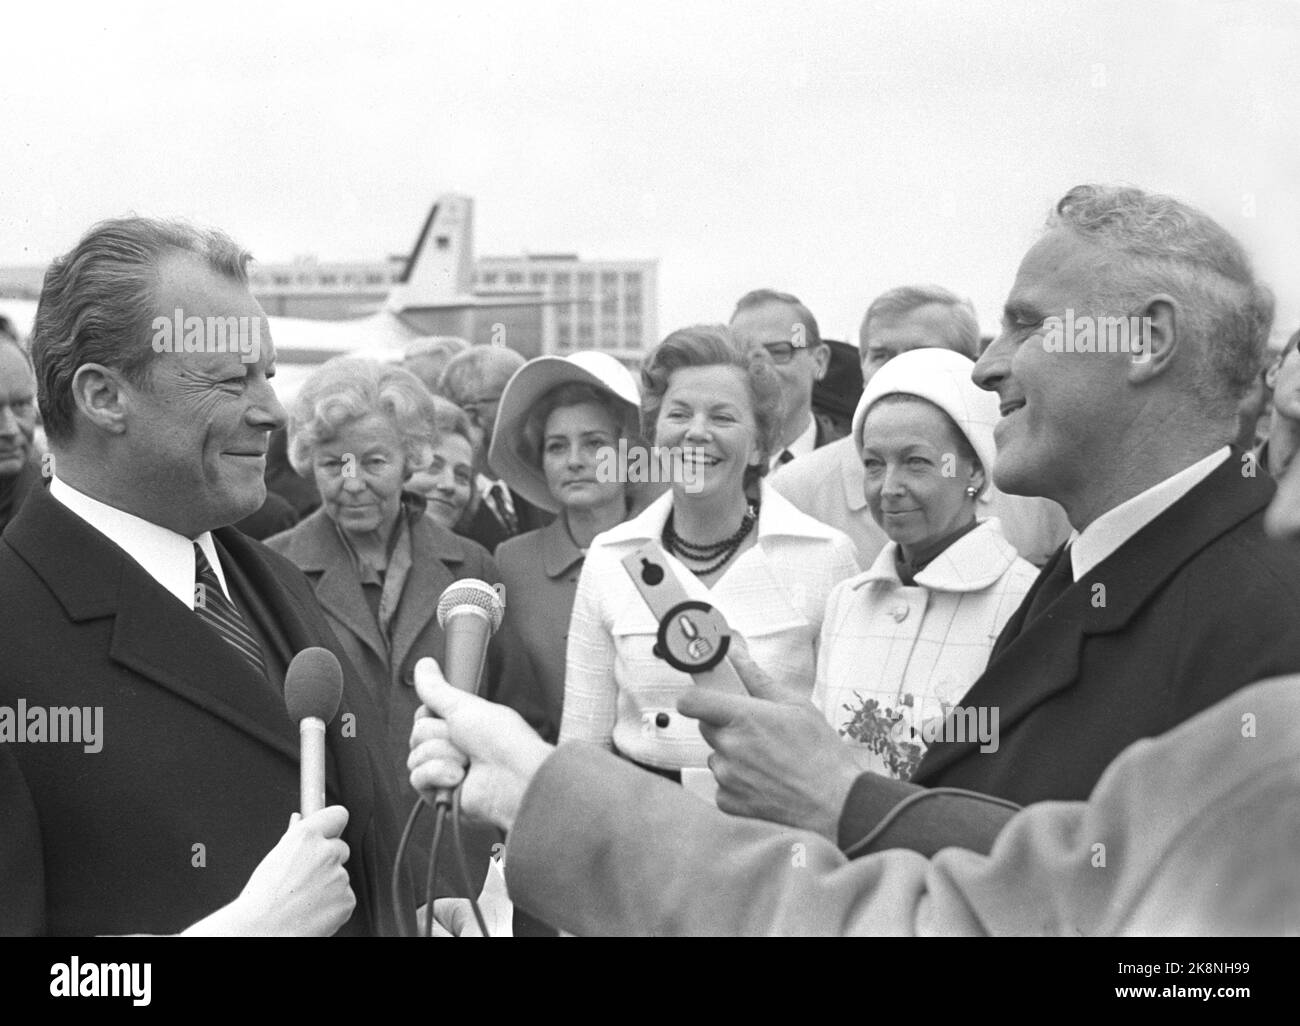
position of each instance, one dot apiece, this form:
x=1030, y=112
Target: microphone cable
x=442, y=804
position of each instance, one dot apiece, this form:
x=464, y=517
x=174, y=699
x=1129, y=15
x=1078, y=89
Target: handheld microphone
x=313, y=688
x=470, y=611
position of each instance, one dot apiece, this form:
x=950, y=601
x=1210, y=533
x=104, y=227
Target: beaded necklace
x=721, y=551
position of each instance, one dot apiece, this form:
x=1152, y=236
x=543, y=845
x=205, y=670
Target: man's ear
x=1154, y=338
x=98, y=392
x=822, y=357
x=976, y=478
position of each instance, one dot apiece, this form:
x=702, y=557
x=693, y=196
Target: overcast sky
x=828, y=149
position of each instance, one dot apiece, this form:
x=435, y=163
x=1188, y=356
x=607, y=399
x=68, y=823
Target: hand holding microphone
x=469, y=612
x=301, y=888
x=500, y=749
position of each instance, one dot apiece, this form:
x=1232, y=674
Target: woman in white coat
x=903, y=642
x=711, y=404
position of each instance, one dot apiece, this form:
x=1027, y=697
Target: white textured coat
x=894, y=656
x=618, y=694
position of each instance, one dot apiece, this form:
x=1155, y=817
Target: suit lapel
x=291, y=629
x=153, y=634
x=436, y=560
x=320, y=553
x=1041, y=658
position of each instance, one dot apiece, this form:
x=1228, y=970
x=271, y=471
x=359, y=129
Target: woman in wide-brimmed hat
x=558, y=430
x=903, y=642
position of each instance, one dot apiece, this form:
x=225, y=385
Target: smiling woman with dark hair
x=711, y=403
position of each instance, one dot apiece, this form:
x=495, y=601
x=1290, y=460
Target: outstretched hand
x=774, y=755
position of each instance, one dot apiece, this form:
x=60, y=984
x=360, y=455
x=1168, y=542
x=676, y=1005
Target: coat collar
x=975, y=561
x=777, y=517
x=316, y=548
x=153, y=634
x=559, y=553
x=1043, y=656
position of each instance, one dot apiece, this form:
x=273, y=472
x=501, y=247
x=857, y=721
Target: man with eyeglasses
x=788, y=331
x=474, y=381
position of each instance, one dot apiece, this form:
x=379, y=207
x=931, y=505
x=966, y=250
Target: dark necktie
x=508, y=520
x=1060, y=575
x=785, y=457
x=219, y=613
x=1057, y=576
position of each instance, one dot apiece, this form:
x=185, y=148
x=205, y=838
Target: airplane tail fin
x=440, y=269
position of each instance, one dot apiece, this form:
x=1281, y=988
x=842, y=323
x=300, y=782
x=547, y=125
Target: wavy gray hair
x=1167, y=246
x=346, y=389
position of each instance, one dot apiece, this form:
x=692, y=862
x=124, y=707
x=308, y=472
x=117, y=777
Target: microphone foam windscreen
x=471, y=592
x=313, y=685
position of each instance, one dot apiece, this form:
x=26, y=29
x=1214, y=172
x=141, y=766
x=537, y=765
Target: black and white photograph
x=591, y=470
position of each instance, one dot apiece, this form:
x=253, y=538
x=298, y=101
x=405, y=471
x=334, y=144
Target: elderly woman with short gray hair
x=377, y=563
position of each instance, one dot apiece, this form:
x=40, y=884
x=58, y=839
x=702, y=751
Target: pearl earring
x=972, y=491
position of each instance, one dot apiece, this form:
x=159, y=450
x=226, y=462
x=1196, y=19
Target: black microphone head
x=313, y=685
x=472, y=592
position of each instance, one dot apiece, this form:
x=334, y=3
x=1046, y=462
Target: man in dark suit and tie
x=129, y=597
x=1133, y=327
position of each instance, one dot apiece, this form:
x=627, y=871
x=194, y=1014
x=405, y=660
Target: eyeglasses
x=782, y=352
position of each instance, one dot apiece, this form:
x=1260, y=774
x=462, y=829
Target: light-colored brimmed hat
x=515, y=458
x=944, y=378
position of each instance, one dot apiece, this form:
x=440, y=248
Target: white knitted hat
x=944, y=378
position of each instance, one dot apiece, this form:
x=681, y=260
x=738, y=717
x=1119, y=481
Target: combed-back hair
x=1164, y=245
x=98, y=303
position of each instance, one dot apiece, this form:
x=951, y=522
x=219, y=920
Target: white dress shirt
x=1114, y=527
x=801, y=446
x=166, y=556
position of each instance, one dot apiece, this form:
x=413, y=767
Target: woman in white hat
x=903, y=642
x=560, y=423
x=712, y=404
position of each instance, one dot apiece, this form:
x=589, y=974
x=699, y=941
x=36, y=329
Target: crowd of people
x=1016, y=652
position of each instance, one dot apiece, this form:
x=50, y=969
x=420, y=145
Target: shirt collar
x=166, y=556
x=801, y=446
x=1113, y=528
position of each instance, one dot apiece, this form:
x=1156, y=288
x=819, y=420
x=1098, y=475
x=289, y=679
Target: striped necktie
x=503, y=512
x=219, y=613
